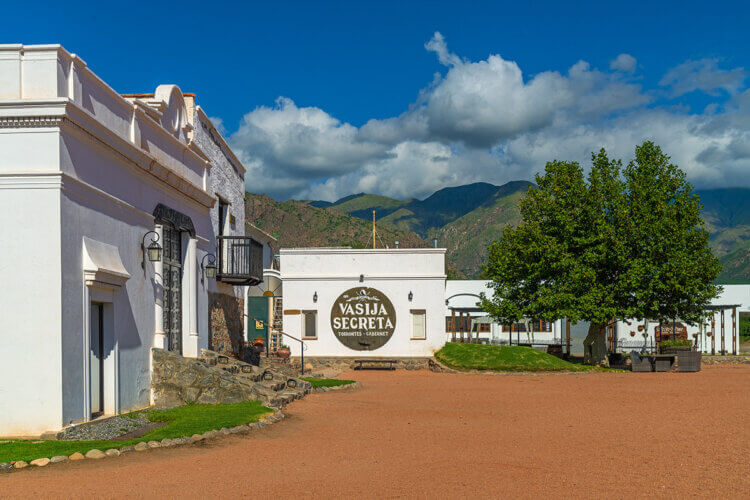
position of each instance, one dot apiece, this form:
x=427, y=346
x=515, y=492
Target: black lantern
x=153, y=250
x=411, y=295
x=315, y=297
x=208, y=270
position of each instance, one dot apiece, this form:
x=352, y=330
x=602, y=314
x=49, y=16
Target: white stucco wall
x=394, y=272
x=30, y=300
x=79, y=161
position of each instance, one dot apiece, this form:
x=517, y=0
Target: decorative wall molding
x=30, y=121
x=163, y=213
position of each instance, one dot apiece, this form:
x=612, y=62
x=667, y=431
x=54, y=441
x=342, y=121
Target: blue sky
x=324, y=99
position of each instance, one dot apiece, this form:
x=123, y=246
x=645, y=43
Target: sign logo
x=363, y=319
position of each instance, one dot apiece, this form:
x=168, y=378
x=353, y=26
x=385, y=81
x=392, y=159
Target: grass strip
x=504, y=359
x=181, y=421
x=327, y=382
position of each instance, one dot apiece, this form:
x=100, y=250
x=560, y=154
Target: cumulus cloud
x=487, y=121
x=623, y=62
x=704, y=75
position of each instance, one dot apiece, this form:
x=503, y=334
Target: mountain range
x=465, y=220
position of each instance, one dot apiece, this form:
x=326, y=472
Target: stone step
x=274, y=385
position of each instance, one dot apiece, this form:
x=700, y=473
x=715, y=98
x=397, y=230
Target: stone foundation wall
x=320, y=363
x=177, y=380
x=707, y=359
x=225, y=325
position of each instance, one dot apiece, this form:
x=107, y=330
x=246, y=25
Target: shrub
x=677, y=343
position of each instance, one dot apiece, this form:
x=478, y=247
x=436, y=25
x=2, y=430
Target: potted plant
x=259, y=342
x=283, y=352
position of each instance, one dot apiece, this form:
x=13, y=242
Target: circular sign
x=363, y=319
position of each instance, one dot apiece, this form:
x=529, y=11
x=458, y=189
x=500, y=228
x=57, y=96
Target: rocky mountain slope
x=465, y=220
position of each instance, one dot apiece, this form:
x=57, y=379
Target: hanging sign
x=666, y=331
x=363, y=319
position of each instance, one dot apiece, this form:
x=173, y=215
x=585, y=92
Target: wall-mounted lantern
x=315, y=297
x=361, y=278
x=208, y=270
x=411, y=295
x=153, y=250
x=396, y=242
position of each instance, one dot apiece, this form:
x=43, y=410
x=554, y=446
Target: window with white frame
x=309, y=324
x=418, y=324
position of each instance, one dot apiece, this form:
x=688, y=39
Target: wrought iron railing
x=240, y=260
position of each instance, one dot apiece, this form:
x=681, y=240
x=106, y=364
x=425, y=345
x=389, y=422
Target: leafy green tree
x=671, y=266
x=613, y=244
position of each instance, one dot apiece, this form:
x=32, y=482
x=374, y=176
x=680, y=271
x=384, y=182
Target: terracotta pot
x=632, y=334
x=640, y=328
x=283, y=353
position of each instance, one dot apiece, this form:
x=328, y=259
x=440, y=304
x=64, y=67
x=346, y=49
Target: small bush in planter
x=677, y=343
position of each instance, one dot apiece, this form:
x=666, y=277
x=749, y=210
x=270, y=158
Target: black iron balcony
x=240, y=260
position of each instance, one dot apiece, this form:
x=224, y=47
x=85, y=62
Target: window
x=223, y=210
x=309, y=324
x=537, y=325
x=418, y=330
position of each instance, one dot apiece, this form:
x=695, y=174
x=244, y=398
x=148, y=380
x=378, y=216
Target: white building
x=720, y=334
x=465, y=319
x=379, y=303
x=87, y=178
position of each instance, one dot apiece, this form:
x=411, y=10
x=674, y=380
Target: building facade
x=465, y=319
x=92, y=186
x=364, y=303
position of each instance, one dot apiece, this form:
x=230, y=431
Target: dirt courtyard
x=427, y=435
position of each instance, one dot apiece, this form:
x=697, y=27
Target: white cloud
x=485, y=120
x=623, y=62
x=703, y=75
x=437, y=45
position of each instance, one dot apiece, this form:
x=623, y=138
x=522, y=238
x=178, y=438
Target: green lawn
x=503, y=359
x=327, y=382
x=182, y=421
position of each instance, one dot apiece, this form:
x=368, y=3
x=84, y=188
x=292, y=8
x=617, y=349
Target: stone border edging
x=352, y=386
x=147, y=445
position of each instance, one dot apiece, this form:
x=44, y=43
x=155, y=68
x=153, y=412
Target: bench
x=375, y=364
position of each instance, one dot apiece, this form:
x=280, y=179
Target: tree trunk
x=595, y=346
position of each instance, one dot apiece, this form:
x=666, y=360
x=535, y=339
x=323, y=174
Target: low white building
x=90, y=179
x=719, y=334
x=371, y=303
x=465, y=319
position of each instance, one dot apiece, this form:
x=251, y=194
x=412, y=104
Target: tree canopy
x=614, y=243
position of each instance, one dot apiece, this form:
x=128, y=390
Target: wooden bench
x=375, y=364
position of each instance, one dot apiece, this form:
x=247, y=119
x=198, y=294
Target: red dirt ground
x=423, y=434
